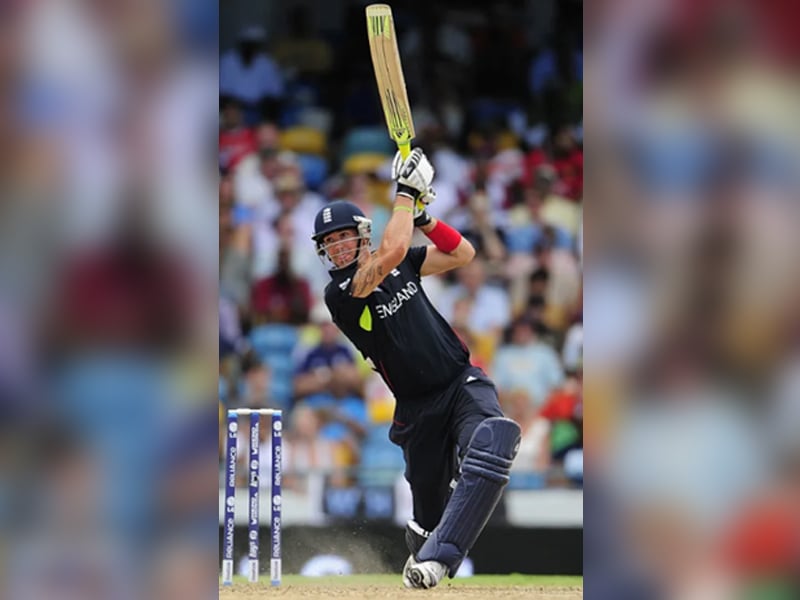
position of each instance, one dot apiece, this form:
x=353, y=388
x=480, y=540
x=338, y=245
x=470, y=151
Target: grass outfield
x=392, y=580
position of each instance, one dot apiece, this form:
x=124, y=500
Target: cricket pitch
x=375, y=587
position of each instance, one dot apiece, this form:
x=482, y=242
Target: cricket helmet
x=336, y=216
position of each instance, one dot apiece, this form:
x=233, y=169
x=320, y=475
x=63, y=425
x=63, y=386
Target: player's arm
x=414, y=176
x=448, y=251
x=373, y=267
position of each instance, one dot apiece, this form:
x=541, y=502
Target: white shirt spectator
x=533, y=367
x=261, y=79
x=250, y=186
x=266, y=241
x=572, y=353
x=491, y=309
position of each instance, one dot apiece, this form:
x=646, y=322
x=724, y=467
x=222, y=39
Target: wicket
x=253, y=484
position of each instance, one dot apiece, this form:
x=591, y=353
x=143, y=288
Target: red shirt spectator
x=282, y=297
x=235, y=140
x=533, y=160
x=568, y=163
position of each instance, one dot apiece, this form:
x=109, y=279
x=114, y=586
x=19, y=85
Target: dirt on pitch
x=372, y=592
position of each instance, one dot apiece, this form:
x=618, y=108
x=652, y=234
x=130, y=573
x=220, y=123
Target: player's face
x=342, y=246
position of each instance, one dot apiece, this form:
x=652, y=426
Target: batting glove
x=413, y=175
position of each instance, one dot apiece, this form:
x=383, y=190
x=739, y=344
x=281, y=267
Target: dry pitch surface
x=376, y=587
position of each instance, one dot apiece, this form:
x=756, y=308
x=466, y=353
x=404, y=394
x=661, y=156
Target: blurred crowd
x=692, y=290
x=301, y=125
x=107, y=299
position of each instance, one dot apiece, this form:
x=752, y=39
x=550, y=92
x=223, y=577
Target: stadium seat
x=381, y=460
x=363, y=163
x=527, y=480
x=314, y=168
x=317, y=118
x=303, y=140
x=487, y=110
x=273, y=337
x=290, y=117
x=274, y=343
x=373, y=140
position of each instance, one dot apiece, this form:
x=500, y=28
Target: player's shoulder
x=338, y=289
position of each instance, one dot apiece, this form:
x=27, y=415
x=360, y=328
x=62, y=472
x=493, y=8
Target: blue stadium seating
x=367, y=140
x=381, y=460
x=314, y=168
x=274, y=343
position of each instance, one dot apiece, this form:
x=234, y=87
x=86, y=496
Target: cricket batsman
x=458, y=447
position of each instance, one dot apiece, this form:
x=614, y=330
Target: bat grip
x=405, y=149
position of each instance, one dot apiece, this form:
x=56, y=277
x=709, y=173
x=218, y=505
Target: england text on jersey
x=396, y=303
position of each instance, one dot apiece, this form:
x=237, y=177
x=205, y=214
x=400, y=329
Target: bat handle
x=405, y=149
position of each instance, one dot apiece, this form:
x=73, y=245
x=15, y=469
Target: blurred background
x=496, y=94
x=691, y=289
x=108, y=299
x=112, y=283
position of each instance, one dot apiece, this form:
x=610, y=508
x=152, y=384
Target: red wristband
x=444, y=237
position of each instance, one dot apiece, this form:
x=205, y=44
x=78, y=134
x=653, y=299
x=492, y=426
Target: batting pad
x=485, y=472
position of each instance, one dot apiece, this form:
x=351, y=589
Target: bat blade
x=389, y=75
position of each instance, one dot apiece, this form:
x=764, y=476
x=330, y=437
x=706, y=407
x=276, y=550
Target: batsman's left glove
x=414, y=176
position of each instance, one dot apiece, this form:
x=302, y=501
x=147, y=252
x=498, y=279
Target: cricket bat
x=389, y=75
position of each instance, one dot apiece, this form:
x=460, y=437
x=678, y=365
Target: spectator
x=234, y=246
x=534, y=450
x=255, y=177
x=286, y=222
x=564, y=411
x=250, y=76
x=369, y=190
x=563, y=293
x=307, y=457
x=482, y=232
x=283, y=297
x=295, y=200
x=490, y=309
x=230, y=334
x=267, y=144
x=527, y=364
x=254, y=386
x=572, y=352
x=526, y=227
x=481, y=346
x=329, y=367
x=568, y=163
x=556, y=210
x=543, y=71
x=328, y=381
x=236, y=140
x=550, y=277
x=344, y=422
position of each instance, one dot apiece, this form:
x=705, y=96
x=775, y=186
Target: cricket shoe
x=424, y=575
x=409, y=563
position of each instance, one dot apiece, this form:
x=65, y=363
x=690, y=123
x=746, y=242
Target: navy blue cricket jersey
x=411, y=345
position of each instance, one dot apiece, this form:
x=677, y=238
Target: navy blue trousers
x=434, y=433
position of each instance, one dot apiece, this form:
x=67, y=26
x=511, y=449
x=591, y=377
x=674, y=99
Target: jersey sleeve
x=416, y=256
